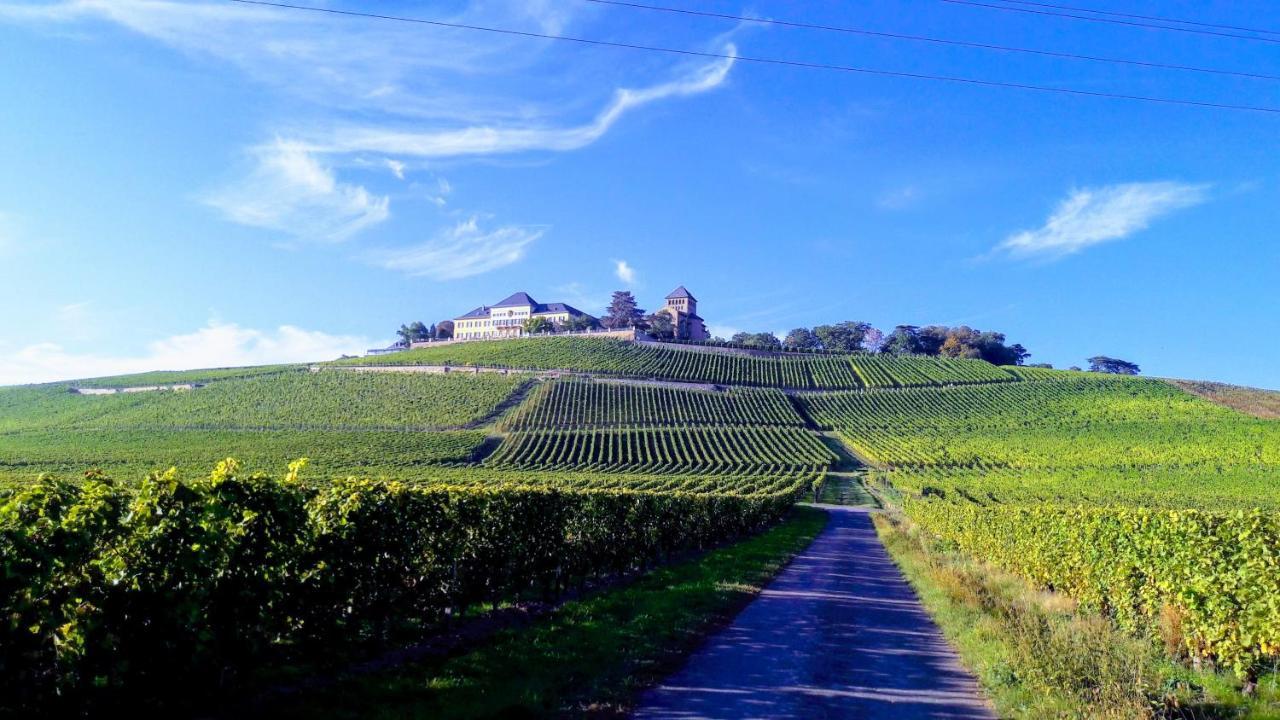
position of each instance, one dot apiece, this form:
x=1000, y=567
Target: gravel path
x=838, y=634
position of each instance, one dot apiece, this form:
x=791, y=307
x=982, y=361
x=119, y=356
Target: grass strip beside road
x=590, y=656
x=1039, y=655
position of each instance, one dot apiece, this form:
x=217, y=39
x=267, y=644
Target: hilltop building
x=506, y=319
x=682, y=307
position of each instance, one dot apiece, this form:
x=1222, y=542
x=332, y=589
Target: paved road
x=838, y=634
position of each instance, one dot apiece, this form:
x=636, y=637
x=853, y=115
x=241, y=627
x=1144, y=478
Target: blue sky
x=190, y=184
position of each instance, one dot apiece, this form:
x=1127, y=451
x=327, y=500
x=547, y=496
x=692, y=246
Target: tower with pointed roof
x=682, y=306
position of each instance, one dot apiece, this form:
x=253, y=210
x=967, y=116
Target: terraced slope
x=576, y=404
x=347, y=423
x=616, y=357
x=729, y=450
x=1079, y=422
x=284, y=400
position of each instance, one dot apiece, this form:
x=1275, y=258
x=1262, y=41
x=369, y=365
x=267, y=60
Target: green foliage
x=623, y=312
x=628, y=359
x=759, y=340
x=176, y=377
x=1079, y=483
x=844, y=336
x=1104, y=364
x=132, y=453
x=170, y=592
x=1081, y=421
x=748, y=450
x=1218, y=574
x=592, y=652
x=572, y=404
x=659, y=326
x=413, y=332
x=326, y=400
x=801, y=339
x=536, y=325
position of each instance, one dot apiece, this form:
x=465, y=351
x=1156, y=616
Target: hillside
x=1261, y=403
x=641, y=451
x=627, y=359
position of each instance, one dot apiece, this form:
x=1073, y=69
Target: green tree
x=763, y=340
x=405, y=335
x=904, y=340
x=931, y=338
x=1115, y=366
x=660, y=326
x=444, y=330
x=412, y=333
x=578, y=323
x=536, y=325
x=802, y=339
x=623, y=312
x=846, y=336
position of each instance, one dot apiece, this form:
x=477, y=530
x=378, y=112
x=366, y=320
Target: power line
x=1144, y=17
x=923, y=38
x=771, y=61
x=1113, y=21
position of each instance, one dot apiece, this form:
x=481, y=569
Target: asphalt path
x=838, y=634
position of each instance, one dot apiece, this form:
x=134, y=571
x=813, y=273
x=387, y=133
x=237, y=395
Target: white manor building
x=507, y=318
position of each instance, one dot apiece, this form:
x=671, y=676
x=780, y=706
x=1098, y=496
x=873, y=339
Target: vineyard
x=182, y=377
x=627, y=359
x=180, y=585
x=573, y=404
x=730, y=450
x=1082, y=484
x=1079, y=422
x=284, y=400
x=492, y=485
x=131, y=454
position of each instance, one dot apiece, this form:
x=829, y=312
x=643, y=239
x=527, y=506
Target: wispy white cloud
x=393, y=96
x=326, y=59
x=461, y=251
x=291, y=191
x=215, y=345
x=492, y=139
x=624, y=272
x=1091, y=216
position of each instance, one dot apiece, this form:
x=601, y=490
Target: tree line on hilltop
x=850, y=336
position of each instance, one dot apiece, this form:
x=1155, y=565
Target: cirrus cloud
x=461, y=251
x=1091, y=216
x=292, y=192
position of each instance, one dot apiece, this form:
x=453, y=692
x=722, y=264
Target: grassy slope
x=590, y=655
x=1038, y=655
x=1254, y=401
